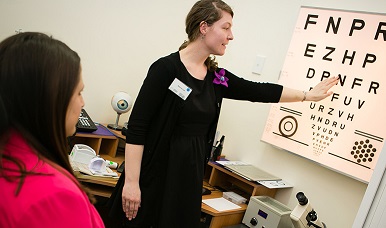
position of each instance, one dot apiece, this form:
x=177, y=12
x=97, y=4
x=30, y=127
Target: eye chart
x=346, y=131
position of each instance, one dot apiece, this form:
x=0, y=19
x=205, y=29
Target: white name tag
x=180, y=89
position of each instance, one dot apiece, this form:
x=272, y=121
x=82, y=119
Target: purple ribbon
x=220, y=78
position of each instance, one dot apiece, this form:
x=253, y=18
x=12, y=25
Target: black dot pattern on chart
x=363, y=151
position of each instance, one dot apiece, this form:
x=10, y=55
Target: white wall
x=118, y=40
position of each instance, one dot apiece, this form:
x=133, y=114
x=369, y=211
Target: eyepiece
x=301, y=198
x=311, y=216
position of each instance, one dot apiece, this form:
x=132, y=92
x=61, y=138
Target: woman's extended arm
x=131, y=193
x=319, y=92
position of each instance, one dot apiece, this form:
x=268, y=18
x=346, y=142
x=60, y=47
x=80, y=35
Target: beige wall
x=118, y=40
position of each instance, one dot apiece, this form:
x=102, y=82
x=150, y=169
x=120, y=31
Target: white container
x=234, y=198
x=111, y=164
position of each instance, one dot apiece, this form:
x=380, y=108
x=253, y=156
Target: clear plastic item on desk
x=234, y=197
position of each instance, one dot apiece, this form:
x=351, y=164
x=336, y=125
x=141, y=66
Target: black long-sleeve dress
x=177, y=136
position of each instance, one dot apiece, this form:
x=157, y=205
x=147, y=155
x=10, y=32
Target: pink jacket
x=52, y=200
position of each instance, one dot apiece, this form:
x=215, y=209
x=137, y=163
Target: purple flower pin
x=220, y=78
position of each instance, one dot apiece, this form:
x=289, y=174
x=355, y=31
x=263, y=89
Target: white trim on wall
x=374, y=202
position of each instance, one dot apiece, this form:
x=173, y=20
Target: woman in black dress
x=174, y=119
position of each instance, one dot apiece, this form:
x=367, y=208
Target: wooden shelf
x=229, y=181
x=101, y=144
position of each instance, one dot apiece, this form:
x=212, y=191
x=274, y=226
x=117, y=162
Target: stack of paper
x=221, y=204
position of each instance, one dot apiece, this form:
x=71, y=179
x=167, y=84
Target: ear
x=203, y=27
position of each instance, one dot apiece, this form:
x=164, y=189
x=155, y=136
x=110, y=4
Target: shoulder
x=57, y=205
x=46, y=199
x=164, y=69
x=59, y=197
x=168, y=62
x=172, y=57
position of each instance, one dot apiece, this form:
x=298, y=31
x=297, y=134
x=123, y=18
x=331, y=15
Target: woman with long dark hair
x=40, y=102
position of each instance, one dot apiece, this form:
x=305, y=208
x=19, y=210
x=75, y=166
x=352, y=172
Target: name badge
x=180, y=89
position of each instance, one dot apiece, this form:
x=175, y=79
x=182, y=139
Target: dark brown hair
x=208, y=11
x=38, y=76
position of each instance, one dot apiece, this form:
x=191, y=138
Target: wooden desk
x=217, y=176
x=224, y=218
x=101, y=186
x=116, y=133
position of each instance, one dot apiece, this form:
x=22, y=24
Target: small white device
x=111, y=164
x=264, y=211
x=303, y=215
x=82, y=153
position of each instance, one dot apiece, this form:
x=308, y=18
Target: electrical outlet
x=258, y=65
